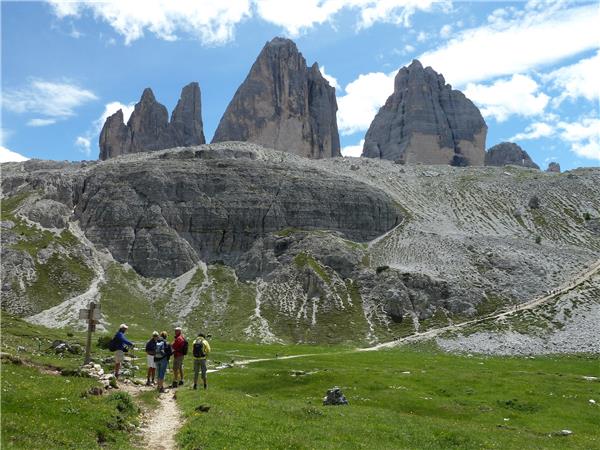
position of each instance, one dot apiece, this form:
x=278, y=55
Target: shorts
x=178, y=363
x=200, y=365
x=161, y=366
x=150, y=361
x=119, y=356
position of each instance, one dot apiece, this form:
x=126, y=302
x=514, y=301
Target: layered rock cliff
x=426, y=121
x=149, y=128
x=283, y=104
x=507, y=153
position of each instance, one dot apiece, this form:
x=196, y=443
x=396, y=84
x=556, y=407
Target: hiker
x=200, y=349
x=162, y=353
x=150, y=352
x=120, y=344
x=179, y=351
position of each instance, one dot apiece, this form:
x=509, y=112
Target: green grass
x=41, y=411
x=446, y=401
x=303, y=260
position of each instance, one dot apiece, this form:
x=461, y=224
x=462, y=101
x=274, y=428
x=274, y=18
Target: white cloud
x=409, y=48
x=40, y=122
x=535, y=131
x=446, y=31
x=364, y=96
x=332, y=80
x=422, y=36
x=517, y=44
x=210, y=21
x=214, y=22
x=109, y=110
x=577, y=80
x=56, y=100
x=517, y=95
x=84, y=144
x=354, y=150
x=7, y=155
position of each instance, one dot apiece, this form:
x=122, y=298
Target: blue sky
x=533, y=68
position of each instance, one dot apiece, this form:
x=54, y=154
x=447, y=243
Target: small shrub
x=382, y=269
x=538, y=239
x=587, y=216
x=103, y=341
x=534, y=202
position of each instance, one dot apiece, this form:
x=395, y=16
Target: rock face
x=507, y=153
x=149, y=128
x=283, y=104
x=553, y=167
x=164, y=213
x=426, y=121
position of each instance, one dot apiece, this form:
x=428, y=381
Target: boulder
x=508, y=153
x=426, y=121
x=283, y=104
x=334, y=397
x=149, y=128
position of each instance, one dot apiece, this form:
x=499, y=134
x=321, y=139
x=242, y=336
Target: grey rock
x=149, y=129
x=162, y=215
x=283, y=104
x=334, y=397
x=508, y=153
x=426, y=121
x=553, y=167
x=48, y=213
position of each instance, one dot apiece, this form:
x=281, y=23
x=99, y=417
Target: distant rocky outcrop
x=553, y=167
x=149, y=128
x=426, y=121
x=283, y=104
x=508, y=153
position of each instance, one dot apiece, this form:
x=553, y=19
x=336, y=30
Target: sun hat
x=123, y=326
x=155, y=333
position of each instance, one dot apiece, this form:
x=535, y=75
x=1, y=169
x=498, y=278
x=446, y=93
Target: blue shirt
x=122, y=340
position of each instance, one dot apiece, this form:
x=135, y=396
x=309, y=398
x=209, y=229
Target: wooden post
x=92, y=314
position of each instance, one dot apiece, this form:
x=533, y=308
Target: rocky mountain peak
x=553, y=167
x=507, y=153
x=149, y=128
x=282, y=104
x=426, y=121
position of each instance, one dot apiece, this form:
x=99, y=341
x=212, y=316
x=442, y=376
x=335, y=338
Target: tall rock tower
x=426, y=121
x=283, y=104
x=149, y=128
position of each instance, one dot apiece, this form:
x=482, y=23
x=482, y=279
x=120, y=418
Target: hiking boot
x=205, y=387
x=180, y=382
x=174, y=385
x=148, y=383
x=161, y=390
x=195, y=387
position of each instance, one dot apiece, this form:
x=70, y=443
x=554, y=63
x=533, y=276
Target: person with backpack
x=119, y=345
x=200, y=349
x=180, y=349
x=162, y=353
x=150, y=352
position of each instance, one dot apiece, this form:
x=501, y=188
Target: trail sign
x=92, y=315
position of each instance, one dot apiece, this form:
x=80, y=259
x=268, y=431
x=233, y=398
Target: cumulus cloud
x=84, y=145
x=446, y=31
x=40, y=122
x=353, y=150
x=333, y=82
x=214, y=22
x=51, y=99
x=363, y=98
x=517, y=95
x=579, y=80
x=534, y=131
x=516, y=43
x=7, y=155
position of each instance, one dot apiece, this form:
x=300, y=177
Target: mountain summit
x=426, y=121
x=283, y=104
x=149, y=128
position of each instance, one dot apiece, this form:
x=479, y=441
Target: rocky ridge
x=507, y=153
x=149, y=127
x=426, y=121
x=283, y=104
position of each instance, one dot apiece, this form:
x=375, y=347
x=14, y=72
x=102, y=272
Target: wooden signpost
x=92, y=315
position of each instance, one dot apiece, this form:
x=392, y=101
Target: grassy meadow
x=405, y=398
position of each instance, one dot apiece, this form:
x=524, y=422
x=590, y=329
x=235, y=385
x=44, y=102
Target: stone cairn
x=334, y=397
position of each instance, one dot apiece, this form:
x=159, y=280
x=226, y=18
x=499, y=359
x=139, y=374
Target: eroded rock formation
x=507, y=153
x=426, y=121
x=283, y=104
x=149, y=128
x=553, y=167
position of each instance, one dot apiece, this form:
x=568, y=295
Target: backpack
x=162, y=350
x=184, y=349
x=198, y=350
x=113, y=345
